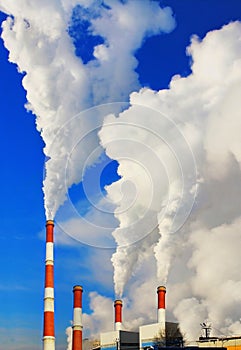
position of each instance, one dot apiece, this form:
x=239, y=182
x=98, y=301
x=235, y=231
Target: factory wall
x=119, y=340
x=155, y=335
x=151, y=334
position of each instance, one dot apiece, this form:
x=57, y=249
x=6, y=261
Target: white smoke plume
x=157, y=187
x=205, y=109
x=60, y=85
x=69, y=333
x=101, y=318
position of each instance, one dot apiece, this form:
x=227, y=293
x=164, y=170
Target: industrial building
x=150, y=336
x=119, y=340
x=230, y=343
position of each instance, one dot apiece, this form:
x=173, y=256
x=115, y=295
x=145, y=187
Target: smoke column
x=153, y=196
x=39, y=43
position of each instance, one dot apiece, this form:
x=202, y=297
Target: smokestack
x=118, y=315
x=48, y=332
x=161, y=316
x=77, y=319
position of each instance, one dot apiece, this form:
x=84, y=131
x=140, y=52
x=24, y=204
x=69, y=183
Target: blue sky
x=22, y=207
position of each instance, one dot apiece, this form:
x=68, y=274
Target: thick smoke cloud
x=157, y=177
x=205, y=109
x=59, y=85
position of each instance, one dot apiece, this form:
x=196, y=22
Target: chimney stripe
x=78, y=298
x=49, y=231
x=77, y=340
x=78, y=316
x=48, y=293
x=49, y=305
x=49, y=276
x=49, y=252
x=49, y=324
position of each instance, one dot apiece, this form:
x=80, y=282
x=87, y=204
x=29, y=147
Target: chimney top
x=77, y=287
x=49, y=222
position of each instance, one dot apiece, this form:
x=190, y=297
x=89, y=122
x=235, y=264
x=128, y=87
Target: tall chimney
x=118, y=315
x=161, y=316
x=48, y=332
x=77, y=319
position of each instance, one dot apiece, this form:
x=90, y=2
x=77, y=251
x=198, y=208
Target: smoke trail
x=156, y=141
x=59, y=84
x=154, y=186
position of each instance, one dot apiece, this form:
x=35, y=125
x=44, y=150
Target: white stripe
x=77, y=317
x=49, y=293
x=161, y=316
x=49, y=251
x=49, y=304
x=118, y=326
x=49, y=343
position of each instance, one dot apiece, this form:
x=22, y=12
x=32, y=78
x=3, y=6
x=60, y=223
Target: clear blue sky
x=22, y=161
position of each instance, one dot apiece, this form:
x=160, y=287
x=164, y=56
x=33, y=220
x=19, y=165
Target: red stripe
x=118, y=313
x=77, y=340
x=78, y=298
x=49, y=276
x=48, y=323
x=161, y=299
x=49, y=231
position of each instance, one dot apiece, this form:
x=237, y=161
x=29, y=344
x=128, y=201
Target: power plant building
x=119, y=340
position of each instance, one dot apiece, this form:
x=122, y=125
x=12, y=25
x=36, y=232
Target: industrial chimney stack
x=161, y=316
x=118, y=315
x=77, y=319
x=48, y=332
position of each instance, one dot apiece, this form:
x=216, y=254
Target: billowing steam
x=159, y=179
x=157, y=187
x=178, y=197
x=60, y=85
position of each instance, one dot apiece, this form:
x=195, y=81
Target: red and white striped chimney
x=161, y=316
x=77, y=319
x=118, y=315
x=48, y=332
